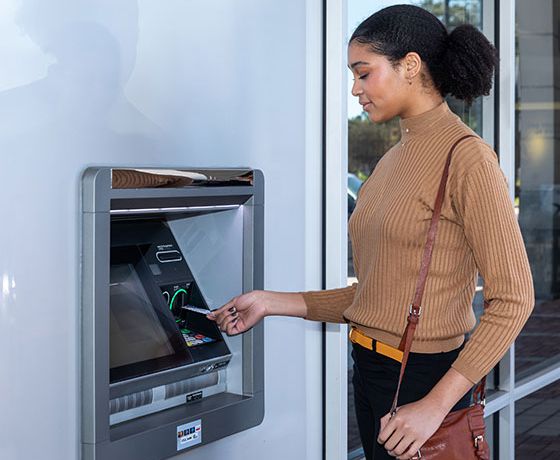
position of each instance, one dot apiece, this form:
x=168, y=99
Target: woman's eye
x=364, y=76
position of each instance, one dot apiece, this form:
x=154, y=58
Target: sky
x=358, y=10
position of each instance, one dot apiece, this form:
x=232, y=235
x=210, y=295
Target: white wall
x=152, y=83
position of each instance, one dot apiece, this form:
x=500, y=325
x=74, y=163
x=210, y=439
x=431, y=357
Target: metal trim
x=178, y=209
x=133, y=178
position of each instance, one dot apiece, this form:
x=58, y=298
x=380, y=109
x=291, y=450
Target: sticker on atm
x=189, y=434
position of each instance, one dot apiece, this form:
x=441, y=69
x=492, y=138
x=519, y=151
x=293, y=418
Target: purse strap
x=415, y=307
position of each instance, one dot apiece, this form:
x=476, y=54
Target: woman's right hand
x=241, y=313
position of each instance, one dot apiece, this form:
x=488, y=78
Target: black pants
x=375, y=381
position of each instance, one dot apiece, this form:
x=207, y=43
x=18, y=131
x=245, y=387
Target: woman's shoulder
x=469, y=156
x=471, y=153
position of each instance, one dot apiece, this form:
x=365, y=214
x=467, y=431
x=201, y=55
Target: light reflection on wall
x=8, y=292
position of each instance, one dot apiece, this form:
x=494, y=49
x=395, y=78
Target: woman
x=404, y=62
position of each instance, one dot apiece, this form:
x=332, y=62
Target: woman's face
x=380, y=87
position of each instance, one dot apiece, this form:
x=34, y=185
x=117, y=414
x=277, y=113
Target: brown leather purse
x=461, y=435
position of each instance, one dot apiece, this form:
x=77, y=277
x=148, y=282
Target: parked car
x=354, y=184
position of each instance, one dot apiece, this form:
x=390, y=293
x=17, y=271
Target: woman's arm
x=492, y=231
x=242, y=312
x=329, y=305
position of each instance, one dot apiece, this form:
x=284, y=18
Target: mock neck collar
x=426, y=122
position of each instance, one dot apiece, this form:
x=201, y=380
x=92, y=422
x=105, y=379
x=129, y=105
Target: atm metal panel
x=115, y=193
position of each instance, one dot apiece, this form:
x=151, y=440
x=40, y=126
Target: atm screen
x=136, y=332
x=144, y=337
x=157, y=311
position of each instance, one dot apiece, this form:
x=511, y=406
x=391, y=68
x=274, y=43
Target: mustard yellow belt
x=382, y=348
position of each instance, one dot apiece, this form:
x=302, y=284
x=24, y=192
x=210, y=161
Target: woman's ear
x=412, y=64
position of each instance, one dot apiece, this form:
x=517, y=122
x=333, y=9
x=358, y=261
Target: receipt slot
x=161, y=248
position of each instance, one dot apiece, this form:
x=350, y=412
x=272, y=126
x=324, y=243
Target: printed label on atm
x=189, y=434
x=194, y=396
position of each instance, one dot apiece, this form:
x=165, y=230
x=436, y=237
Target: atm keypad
x=192, y=338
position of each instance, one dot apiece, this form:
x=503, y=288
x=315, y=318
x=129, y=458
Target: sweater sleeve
x=329, y=305
x=492, y=231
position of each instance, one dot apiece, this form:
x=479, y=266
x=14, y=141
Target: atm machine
x=160, y=249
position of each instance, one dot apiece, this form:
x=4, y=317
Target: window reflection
x=536, y=424
x=537, y=184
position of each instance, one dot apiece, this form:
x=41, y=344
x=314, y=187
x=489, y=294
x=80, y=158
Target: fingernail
x=234, y=314
x=232, y=309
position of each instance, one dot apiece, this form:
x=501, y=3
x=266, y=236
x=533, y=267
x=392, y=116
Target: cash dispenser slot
x=169, y=256
x=158, y=323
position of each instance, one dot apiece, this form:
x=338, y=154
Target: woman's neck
x=421, y=105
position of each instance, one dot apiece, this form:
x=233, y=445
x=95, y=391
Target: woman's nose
x=356, y=90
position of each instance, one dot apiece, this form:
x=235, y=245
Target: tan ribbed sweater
x=477, y=233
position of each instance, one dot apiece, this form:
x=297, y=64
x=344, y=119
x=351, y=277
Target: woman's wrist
x=283, y=303
x=448, y=391
x=437, y=406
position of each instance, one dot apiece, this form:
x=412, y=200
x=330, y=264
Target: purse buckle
x=478, y=439
x=411, y=310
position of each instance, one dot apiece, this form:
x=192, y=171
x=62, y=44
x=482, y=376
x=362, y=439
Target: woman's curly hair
x=460, y=63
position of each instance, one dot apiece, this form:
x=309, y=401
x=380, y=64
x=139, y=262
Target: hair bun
x=468, y=64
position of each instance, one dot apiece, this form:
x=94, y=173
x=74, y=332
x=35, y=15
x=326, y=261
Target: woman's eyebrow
x=357, y=63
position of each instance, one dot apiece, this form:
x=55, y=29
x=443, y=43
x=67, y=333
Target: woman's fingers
x=228, y=319
x=383, y=422
x=388, y=426
x=392, y=443
x=218, y=311
x=232, y=327
x=228, y=315
x=224, y=315
x=402, y=446
x=220, y=314
x=412, y=452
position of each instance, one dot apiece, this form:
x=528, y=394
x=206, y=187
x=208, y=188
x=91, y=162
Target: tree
x=454, y=12
x=367, y=142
